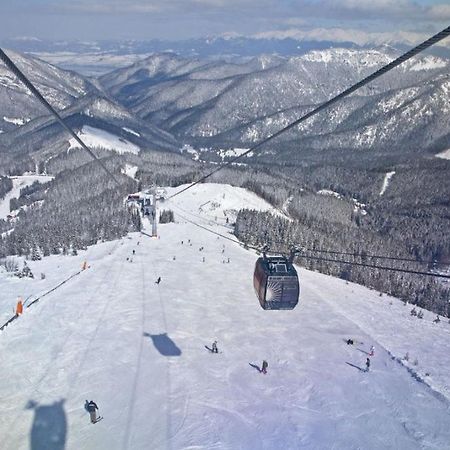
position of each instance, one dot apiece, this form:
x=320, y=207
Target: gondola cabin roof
x=277, y=265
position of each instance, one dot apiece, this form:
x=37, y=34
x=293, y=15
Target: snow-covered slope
x=137, y=348
x=19, y=182
x=96, y=138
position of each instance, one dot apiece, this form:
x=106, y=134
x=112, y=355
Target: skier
x=158, y=280
x=420, y=315
x=91, y=407
x=414, y=312
x=367, y=364
x=264, y=367
x=437, y=320
x=214, y=347
x=134, y=252
x=350, y=342
x=372, y=351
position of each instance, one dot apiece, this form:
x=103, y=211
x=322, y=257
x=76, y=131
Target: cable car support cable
x=301, y=254
x=16, y=71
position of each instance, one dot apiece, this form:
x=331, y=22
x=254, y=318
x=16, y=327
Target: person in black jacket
x=264, y=367
x=92, y=407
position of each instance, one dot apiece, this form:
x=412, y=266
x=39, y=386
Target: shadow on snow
x=164, y=344
x=49, y=429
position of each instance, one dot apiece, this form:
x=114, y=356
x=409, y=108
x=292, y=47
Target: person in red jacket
x=19, y=307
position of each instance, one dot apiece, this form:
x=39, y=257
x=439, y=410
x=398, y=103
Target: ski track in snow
x=137, y=349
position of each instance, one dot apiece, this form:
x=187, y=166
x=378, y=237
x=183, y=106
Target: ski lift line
x=392, y=258
x=217, y=233
x=374, y=266
x=365, y=255
x=317, y=258
x=208, y=220
x=16, y=71
x=401, y=59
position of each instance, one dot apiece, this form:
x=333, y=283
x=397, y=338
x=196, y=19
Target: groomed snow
x=94, y=137
x=19, y=182
x=137, y=349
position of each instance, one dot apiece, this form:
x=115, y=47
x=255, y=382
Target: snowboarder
x=350, y=342
x=214, y=348
x=420, y=315
x=264, y=367
x=437, y=320
x=92, y=407
x=414, y=312
x=367, y=364
x=372, y=351
x=158, y=280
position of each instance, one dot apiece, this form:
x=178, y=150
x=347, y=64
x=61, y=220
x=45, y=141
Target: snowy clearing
x=94, y=137
x=19, y=183
x=129, y=130
x=386, y=180
x=329, y=192
x=15, y=120
x=233, y=152
x=130, y=171
x=137, y=348
x=444, y=155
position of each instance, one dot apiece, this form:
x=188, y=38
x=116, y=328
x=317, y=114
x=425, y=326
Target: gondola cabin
x=276, y=282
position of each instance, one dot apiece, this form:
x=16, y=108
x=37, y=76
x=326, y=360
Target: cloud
x=389, y=10
x=154, y=6
x=354, y=35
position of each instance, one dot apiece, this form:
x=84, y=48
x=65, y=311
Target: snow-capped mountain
x=60, y=87
x=213, y=103
x=81, y=102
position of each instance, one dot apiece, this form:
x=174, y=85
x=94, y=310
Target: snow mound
x=94, y=137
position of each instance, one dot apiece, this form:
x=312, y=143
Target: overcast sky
x=181, y=19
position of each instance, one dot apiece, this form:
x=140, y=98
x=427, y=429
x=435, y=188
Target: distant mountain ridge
x=223, y=103
x=29, y=131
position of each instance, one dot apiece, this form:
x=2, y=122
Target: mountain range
x=170, y=101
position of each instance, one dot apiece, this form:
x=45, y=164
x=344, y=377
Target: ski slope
x=137, y=348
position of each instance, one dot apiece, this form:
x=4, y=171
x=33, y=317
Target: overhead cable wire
x=16, y=71
x=375, y=266
x=401, y=59
x=316, y=258
x=367, y=255
x=361, y=255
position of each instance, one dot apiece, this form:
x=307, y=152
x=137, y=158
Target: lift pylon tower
x=154, y=220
